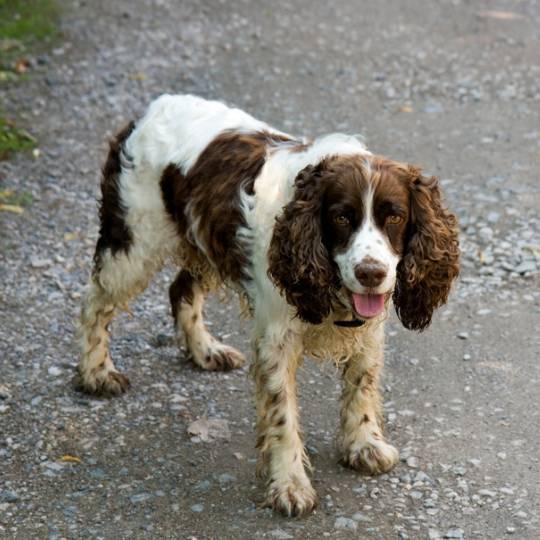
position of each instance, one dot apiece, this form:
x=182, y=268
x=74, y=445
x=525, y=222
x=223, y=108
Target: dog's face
x=364, y=218
x=359, y=230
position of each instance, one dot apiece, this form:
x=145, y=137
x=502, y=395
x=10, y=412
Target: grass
x=24, y=26
x=13, y=198
x=13, y=139
x=28, y=21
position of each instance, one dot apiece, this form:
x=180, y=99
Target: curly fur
x=292, y=226
x=431, y=261
x=299, y=263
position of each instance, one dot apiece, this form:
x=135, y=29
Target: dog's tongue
x=368, y=305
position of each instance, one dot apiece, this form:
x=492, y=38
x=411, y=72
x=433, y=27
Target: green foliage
x=28, y=21
x=13, y=139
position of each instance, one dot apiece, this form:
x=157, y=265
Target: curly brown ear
x=431, y=259
x=299, y=263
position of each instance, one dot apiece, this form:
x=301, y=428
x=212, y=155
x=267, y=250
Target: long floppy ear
x=431, y=259
x=299, y=263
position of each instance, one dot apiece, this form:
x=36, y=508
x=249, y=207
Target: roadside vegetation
x=26, y=26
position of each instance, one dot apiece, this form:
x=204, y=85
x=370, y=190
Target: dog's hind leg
x=187, y=295
x=135, y=235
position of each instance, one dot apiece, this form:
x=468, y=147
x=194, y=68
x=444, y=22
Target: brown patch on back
x=114, y=233
x=210, y=190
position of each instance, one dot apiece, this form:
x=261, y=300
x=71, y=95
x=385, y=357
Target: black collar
x=354, y=323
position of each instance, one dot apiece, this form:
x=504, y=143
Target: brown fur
x=305, y=236
x=114, y=233
x=299, y=263
x=231, y=162
x=431, y=260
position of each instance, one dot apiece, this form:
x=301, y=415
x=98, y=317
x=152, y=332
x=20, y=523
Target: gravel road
x=452, y=85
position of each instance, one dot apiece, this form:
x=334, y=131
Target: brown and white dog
x=317, y=236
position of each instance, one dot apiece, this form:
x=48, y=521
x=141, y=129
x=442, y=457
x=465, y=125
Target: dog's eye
x=342, y=221
x=394, y=220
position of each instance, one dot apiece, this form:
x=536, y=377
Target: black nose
x=370, y=273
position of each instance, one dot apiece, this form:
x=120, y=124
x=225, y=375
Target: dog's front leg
x=282, y=455
x=362, y=442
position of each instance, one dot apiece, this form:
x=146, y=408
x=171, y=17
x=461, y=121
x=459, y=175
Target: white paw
x=293, y=497
x=375, y=456
x=102, y=382
x=218, y=357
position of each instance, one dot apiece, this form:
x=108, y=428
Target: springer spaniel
x=316, y=236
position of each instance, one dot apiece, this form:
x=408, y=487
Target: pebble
x=455, y=533
x=140, y=497
x=280, y=534
x=412, y=462
x=344, y=523
x=9, y=496
x=197, y=508
x=5, y=394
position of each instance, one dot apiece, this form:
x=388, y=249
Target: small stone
x=434, y=534
x=358, y=516
x=466, y=357
x=8, y=496
x=416, y=494
x=54, y=371
x=412, y=462
x=36, y=262
x=226, y=478
x=202, y=486
x=510, y=530
x=525, y=267
x=521, y=514
x=454, y=532
x=493, y=217
x=487, y=493
x=140, y=497
x=197, y=508
x=97, y=473
x=501, y=455
x=463, y=335
x=280, y=534
x=4, y=392
x=344, y=523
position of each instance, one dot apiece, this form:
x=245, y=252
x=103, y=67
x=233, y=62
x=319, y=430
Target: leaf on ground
x=69, y=459
x=11, y=208
x=208, y=429
x=501, y=15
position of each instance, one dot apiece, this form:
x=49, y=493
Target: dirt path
x=455, y=87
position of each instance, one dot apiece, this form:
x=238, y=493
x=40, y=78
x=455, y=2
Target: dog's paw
x=292, y=498
x=375, y=456
x=105, y=383
x=219, y=357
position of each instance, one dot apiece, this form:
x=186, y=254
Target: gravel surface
x=453, y=86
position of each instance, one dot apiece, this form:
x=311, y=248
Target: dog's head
x=359, y=230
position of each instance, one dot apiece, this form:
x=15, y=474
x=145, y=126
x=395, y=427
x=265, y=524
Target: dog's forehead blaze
x=389, y=181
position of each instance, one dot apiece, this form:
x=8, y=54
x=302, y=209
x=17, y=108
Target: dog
x=318, y=237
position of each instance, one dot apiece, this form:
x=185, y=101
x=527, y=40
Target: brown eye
x=342, y=221
x=394, y=220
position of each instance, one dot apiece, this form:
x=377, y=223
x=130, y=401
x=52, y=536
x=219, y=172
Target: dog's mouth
x=367, y=306
x=363, y=306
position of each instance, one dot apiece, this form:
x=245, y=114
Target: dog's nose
x=370, y=273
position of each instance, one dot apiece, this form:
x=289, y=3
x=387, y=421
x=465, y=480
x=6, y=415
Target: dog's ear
x=431, y=259
x=299, y=263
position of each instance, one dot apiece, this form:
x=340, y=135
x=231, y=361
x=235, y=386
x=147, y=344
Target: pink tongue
x=368, y=305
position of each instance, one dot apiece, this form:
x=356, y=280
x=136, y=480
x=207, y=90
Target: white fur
x=368, y=242
x=176, y=129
